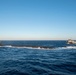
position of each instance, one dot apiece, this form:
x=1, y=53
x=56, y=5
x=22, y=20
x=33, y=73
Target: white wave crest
x=43, y=48
x=67, y=47
x=6, y=46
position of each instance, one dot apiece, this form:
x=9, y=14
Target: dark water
x=23, y=60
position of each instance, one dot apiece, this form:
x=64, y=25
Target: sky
x=37, y=19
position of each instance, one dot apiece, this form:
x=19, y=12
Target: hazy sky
x=37, y=19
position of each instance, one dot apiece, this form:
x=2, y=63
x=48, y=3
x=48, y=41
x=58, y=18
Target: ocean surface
x=37, y=58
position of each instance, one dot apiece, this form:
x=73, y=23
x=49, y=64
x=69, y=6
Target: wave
x=40, y=47
x=7, y=46
x=29, y=47
x=14, y=72
x=67, y=47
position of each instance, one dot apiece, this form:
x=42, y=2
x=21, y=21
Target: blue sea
x=44, y=57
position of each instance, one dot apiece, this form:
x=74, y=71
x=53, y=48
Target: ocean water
x=37, y=58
